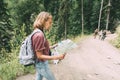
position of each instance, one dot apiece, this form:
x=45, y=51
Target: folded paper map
x=65, y=46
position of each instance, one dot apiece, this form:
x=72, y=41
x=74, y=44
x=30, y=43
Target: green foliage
x=10, y=67
x=14, y=43
x=9, y=61
x=19, y=36
x=5, y=57
x=114, y=14
x=116, y=42
x=16, y=23
x=9, y=71
x=26, y=12
x=5, y=27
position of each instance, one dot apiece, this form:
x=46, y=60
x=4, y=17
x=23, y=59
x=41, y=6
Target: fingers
x=62, y=56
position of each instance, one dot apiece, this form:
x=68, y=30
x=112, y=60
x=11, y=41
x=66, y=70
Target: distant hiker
x=103, y=35
x=95, y=33
x=100, y=34
x=41, y=47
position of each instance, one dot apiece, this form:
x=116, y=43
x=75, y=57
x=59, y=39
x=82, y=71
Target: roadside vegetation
x=10, y=68
x=71, y=19
x=116, y=41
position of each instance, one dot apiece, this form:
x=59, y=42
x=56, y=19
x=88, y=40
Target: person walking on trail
x=41, y=47
x=103, y=35
x=95, y=33
x=100, y=34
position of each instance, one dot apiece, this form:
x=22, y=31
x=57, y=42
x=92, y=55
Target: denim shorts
x=43, y=70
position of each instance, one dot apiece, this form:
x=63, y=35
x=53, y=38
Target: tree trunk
x=65, y=30
x=100, y=15
x=82, y=18
x=108, y=13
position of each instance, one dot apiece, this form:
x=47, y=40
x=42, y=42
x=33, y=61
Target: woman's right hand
x=61, y=56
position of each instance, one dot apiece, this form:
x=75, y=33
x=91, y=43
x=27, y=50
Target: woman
x=41, y=47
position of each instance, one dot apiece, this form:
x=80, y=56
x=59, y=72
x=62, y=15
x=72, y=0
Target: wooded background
x=70, y=19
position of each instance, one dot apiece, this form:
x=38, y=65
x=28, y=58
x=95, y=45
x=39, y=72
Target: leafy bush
x=116, y=42
x=9, y=65
x=8, y=71
x=11, y=69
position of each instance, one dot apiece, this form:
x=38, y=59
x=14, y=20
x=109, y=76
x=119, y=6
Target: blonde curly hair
x=41, y=19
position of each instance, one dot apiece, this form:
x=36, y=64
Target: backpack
x=26, y=55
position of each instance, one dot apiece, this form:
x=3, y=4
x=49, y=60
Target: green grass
x=116, y=42
x=12, y=69
x=80, y=38
x=8, y=71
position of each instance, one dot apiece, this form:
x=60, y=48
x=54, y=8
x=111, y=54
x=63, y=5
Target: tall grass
x=11, y=69
x=8, y=71
x=116, y=41
x=80, y=38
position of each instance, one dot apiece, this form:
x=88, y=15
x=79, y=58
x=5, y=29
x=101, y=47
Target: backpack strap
x=37, y=31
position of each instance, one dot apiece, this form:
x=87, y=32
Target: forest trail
x=93, y=59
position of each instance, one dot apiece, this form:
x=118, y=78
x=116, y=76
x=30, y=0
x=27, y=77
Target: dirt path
x=92, y=60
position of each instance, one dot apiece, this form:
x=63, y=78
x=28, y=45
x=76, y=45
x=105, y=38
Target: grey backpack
x=26, y=54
